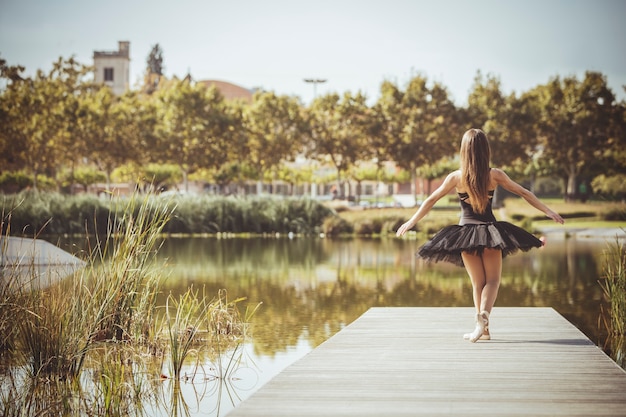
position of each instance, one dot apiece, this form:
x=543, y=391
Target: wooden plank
x=413, y=361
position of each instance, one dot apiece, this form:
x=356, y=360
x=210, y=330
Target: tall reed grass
x=101, y=320
x=113, y=298
x=124, y=279
x=614, y=287
x=87, y=214
x=197, y=326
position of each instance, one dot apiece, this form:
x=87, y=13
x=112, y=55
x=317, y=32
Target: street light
x=315, y=82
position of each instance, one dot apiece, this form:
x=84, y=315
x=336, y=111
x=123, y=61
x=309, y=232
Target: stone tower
x=112, y=68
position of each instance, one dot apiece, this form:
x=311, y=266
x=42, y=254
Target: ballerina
x=479, y=242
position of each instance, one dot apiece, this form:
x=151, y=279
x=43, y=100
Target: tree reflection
x=311, y=288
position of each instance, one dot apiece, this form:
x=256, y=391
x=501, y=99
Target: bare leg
x=492, y=266
x=476, y=270
x=485, y=271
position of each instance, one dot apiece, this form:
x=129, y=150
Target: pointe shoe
x=484, y=336
x=482, y=328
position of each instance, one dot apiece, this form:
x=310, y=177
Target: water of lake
x=310, y=288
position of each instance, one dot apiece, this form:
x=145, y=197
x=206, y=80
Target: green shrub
x=53, y=213
x=12, y=182
x=247, y=215
x=616, y=213
x=335, y=226
x=379, y=225
x=614, y=286
x=391, y=224
x=367, y=227
x=574, y=215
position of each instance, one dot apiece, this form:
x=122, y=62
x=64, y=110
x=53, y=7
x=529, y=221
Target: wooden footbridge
x=414, y=362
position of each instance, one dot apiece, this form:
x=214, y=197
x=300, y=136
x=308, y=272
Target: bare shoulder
x=498, y=176
x=454, y=178
x=451, y=181
x=455, y=174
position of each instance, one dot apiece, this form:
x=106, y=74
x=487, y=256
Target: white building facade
x=112, y=68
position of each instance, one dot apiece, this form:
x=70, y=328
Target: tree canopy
x=571, y=128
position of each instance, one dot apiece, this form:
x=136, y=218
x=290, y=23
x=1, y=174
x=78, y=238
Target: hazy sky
x=354, y=44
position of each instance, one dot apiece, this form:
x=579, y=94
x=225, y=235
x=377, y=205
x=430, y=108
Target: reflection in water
x=310, y=288
x=208, y=387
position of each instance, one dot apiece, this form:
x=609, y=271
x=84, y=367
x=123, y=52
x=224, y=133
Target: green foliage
x=336, y=226
x=83, y=175
x=33, y=213
x=196, y=128
x=40, y=119
x=578, y=124
x=12, y=182
x=614, y=286
x=419, y=124
x=615, y=214
x=378, y=226
x=52, y=332
x=161, y=175
x=249, y=215
x=338, y=126
x=567, y=128
x=275, y=128
x=614, y=185
x=155, y=60
x=505, y=119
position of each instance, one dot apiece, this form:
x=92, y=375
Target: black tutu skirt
x=450, y=241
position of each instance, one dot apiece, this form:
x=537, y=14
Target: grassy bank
x=30, y=213
x=614, y=286
x=93, y=343
x=55, y=214
x=516, y=210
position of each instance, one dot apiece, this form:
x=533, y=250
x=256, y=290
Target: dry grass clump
x=87, y=344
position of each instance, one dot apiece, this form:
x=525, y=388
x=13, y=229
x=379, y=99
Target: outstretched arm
x=449, y=183
x=507, y=183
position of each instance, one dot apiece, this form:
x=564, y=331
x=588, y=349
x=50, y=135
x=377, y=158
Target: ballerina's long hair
x=475, y=157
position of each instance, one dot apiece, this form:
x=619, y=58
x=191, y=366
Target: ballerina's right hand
x=403, y=229
x=556, y=217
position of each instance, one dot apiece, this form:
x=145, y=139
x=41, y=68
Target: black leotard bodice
x=469, y=216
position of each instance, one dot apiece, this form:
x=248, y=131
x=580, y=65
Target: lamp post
x=315, y=82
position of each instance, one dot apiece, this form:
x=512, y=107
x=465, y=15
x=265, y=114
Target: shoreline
x=585, y=232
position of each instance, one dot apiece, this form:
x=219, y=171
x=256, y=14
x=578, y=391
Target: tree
x=614, y=185
x=420, y=124
x=577, y=125
x=39, y=116
x=231, y=172
x=85, y=176
x=108, y=125
x=511, y=125
x=337, y=130
x=363, y=172
x=12, y=140
x=294, y=175
x=430, y=172
x=161, y=176
x=274, y=126
x=507, y=121
x=196, y=128
x=154, y=70
x=155, y=60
